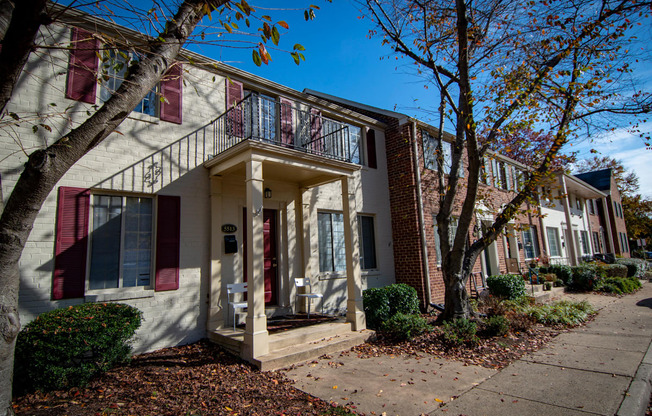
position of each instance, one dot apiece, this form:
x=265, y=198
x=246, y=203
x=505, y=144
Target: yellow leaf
x=439, y=400
x=334, y=387
x=228, y=408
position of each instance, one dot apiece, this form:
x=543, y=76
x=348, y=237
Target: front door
x=269, y=242
x=270, y=260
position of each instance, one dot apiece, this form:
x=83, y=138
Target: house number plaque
x=229, y=228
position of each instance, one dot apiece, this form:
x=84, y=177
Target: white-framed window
x=584, y=237
x=596, y=242
x=355, y=144
x=264, y=117
x=332, y=251
x=367, y=242
x=114, y=66
x=578, y=203
x=120, y=251
x=554, y=245
x=591, y=207
x=430, y=151
x=531, y=242
x=337, y=141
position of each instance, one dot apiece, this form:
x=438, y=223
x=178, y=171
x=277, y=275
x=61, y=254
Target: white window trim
x=122, y=292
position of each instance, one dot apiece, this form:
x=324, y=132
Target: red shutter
x=316, y=140
x=167, y=243
x=234, y=94
x=172, y=92
x=287, y=127
x=71, y=243
x=82, y=68
x=371, y=149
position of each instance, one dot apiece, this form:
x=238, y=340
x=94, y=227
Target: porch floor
x=292, y=346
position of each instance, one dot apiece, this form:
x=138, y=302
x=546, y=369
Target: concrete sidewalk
x=603, y=368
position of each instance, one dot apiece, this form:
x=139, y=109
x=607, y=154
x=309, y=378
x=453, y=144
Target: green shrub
x=584, y=277
x=496, y=326
x=376, y=306
x=404, y=327
x=607, y=287
x=563, y=272
x=507, y=286
x=562, y=312
x=66, y=347
x=402, y=299
x=460, y=332
x=619, y=285
x=634, y=266
x=616, y=270
x=381, y=303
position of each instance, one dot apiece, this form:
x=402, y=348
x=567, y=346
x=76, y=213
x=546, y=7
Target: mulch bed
x=196, y=379
x=202, y=379
x=494, y=353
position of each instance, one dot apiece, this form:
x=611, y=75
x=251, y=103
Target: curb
x=637, y=396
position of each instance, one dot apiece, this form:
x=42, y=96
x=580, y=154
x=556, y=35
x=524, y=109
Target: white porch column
x=354, y=309
x=255, y=337
x=302, y=220
x=570, y=237
x=215, y=311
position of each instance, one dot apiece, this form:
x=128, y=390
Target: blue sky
x=341, y=60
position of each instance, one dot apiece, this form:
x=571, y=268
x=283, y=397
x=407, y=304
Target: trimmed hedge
x=585, y=276
x=402, y=327
x=65, y=347
x=634, y=266
x=382, y=303
x=509, y=286
x=616, y=270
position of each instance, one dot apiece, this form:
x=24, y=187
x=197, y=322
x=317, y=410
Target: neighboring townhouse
x=572, y=201
x=217, y=177
x=613, y=231
x=414, y=205
x=563, y=227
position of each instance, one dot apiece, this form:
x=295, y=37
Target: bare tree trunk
x=18, y=41
x=6, y=9
x=45, y=167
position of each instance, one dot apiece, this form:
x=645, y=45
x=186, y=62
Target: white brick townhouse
x=217, y=177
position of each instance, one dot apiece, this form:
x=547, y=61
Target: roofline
x=75, y=17
x=586, y=185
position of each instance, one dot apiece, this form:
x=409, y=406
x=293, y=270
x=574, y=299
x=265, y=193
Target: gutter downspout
x=422, y=231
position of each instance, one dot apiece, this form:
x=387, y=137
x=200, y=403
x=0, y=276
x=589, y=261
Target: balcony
x=258, y=119
x=287, y=124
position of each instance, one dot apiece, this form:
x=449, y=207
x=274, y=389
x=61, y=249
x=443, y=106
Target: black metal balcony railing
x=254, y=118
x=264, y=119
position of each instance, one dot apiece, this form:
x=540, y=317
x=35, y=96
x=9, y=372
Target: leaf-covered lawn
x=196, y=379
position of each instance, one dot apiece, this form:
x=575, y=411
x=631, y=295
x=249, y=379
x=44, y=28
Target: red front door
x=270, y=254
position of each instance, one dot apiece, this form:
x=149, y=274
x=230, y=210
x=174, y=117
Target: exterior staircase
x=296, y=345
x=544, y=296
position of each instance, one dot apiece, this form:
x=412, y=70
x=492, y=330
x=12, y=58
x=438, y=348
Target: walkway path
x=586, y=371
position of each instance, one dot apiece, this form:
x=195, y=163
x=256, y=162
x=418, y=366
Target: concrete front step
x=541, y=296
x=298, y=353
x=307, y=334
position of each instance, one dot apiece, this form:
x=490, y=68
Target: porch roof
x=280, y=163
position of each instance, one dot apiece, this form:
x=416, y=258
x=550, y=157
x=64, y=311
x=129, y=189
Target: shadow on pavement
x=645, y=302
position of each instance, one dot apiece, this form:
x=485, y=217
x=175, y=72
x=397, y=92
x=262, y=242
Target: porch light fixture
x=267, y=193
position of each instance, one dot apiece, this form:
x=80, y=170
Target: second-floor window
x=90, y=63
